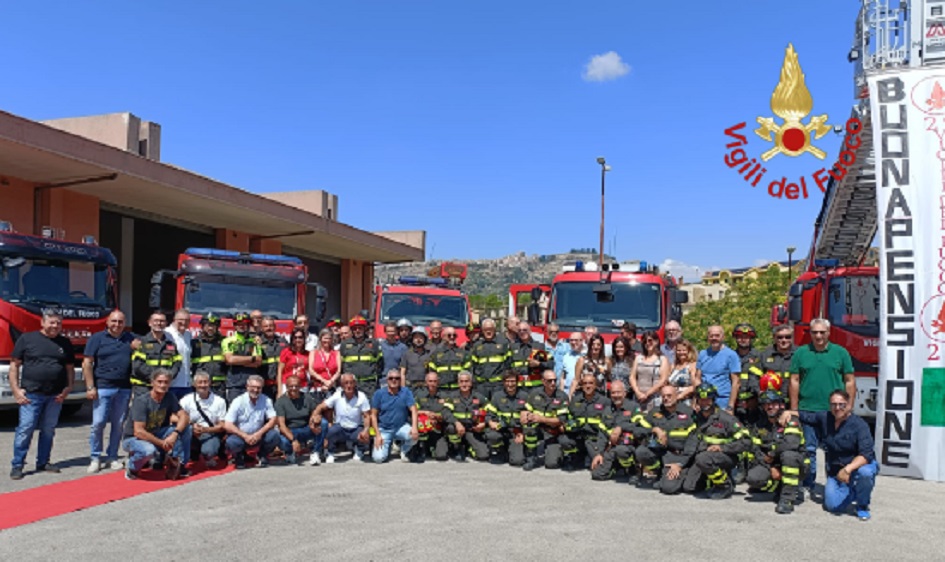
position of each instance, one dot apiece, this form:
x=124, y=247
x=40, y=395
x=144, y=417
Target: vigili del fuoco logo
x=792, y=137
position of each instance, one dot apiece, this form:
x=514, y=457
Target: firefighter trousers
x=791, y=465
x=503, y=441
x=435, y=444
x=474, y=442
x=711, y=466
x=538, y=438
x=618, y=457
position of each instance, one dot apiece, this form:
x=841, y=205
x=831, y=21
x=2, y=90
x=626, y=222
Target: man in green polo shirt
x=817, y=369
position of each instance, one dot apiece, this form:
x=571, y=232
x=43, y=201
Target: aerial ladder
x=836, y=284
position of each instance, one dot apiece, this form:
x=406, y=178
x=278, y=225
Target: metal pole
x=603, y=172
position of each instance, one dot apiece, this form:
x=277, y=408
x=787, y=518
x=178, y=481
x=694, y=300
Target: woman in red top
x=294, y=361
x=324, y=363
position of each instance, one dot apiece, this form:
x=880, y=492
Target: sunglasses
x=549, y=380
x=451, y=335
x=784, y=337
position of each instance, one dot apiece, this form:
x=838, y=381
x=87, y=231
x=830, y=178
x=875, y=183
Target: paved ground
x=355, y=511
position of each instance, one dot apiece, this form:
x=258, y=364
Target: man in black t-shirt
x=156, y=423
x=294, y=413
x=42, y=371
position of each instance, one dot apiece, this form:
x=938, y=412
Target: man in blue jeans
x=107, y=373
x=394, y=417
x=295, y=415
x=42, y=370
x=851, y=458
x=156, y=426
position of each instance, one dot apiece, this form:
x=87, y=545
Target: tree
x=751, y=301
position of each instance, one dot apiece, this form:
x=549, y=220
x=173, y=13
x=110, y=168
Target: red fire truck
x=421, y=300
x=225, y=283
x=39, y=273
x=582, y=296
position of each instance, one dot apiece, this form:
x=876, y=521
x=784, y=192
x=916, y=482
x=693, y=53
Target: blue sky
x=471, y=120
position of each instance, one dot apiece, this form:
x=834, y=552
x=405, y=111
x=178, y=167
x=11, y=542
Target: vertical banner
x=908, y=119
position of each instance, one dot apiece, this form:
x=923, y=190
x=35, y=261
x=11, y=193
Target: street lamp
x=790, y=263
x=604, y=168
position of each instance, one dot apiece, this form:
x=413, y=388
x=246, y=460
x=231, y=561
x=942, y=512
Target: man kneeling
x=156, y=425
x=251, y=421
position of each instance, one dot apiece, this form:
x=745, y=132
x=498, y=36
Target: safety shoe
x=567, y=464
x=784, y=508
x=647, y=482
x=633, y=479
x=496, y=459
x=460, y=456
x=530, y=464
x=722, y=491
x=739, y=474
x=48, y=467
x=94, y=466
x=172, y=468
x=16, y=473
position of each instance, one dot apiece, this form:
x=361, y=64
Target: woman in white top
x=650, y=372
x=684, y=375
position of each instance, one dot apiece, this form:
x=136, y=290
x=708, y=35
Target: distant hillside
x=491, y=277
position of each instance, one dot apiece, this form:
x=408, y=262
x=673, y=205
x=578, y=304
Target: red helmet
x=744, y=330
x=770, y=381
x=335, y=321
x=358, y=321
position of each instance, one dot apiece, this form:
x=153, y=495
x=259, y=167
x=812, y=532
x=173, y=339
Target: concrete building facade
x=102, y=176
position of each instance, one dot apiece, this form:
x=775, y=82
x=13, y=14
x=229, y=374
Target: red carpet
x=35, y=504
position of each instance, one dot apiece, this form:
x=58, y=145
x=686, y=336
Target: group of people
x=657, y=413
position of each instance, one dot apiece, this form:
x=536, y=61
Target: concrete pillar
x=126, y=262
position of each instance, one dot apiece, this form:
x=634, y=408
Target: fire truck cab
x=582, y=296
x=423, y=299
x=225, y=283
x=848, y=297
x=46, y=273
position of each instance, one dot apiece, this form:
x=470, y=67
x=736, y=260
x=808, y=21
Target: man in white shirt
x=250, y=422
x=569, y=362
x=352, y=417
x=179, y=333
x=206, y=411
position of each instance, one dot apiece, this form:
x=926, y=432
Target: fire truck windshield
x=853, y=303
x=574, y=304
x=423, y=309
x=226, y=297
x=54, y=282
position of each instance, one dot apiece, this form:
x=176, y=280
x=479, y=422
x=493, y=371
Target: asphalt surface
x=471, y=511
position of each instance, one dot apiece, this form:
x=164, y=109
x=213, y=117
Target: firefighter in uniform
x=157, y=351
x=779, y=453
x=473, y=333
x=529, y=359
x=415, y=362
x=468, y=409
x=271, y=345
x=722, y=438
x=668, y=441
x=490, y=359
x=621, y=441
x=206, y=353
x=433, y=416
x=362, y=356
x=746, y=403
x=242, y=356
x=586, y=431
x=503, y=421
x=543, y=421
x=449, y=360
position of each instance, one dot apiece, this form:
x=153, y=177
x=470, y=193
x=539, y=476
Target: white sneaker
x=330, y=459
x=94, y=466
x=315, y=460
x=394, y=448
x=116, y=464
x=404, y=457
x=358, y=456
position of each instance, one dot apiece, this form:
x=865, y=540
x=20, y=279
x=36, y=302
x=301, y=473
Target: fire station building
x=101, y=176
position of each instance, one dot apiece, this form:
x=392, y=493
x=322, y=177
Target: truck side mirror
x=536, y=294
x=534, y=314
x=680, y=297
x=795, y=310
x=154, y=299
x=321, y=303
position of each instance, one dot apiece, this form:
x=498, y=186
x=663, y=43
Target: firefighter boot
x=785, y=503
x=531, y=462
x=722, y=491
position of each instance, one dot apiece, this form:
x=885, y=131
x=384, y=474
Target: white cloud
x=689, y=273
x=608, y=66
